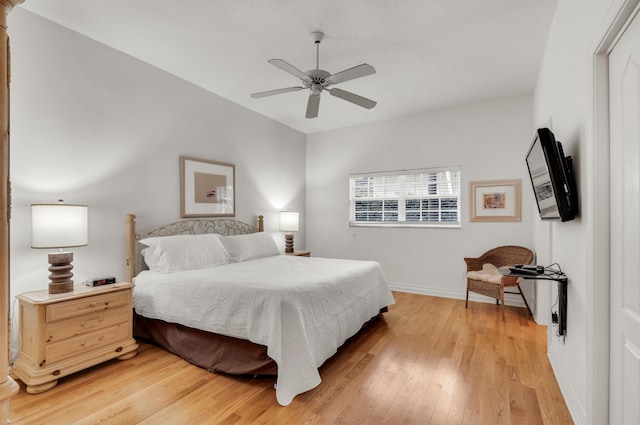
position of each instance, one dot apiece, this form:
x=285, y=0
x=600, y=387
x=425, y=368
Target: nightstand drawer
x=86, y=342
x=86, y=305
x=62, y=329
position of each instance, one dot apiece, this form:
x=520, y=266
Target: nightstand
x=300, y=253
x=61, y=334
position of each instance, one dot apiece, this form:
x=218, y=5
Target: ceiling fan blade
x=351, y=73
x=313, y=105
x=287, y=67
x=276, y=91
x=353, y=98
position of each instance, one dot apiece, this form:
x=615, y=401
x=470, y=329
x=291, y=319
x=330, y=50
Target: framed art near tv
x=207, y=188
x=495, y=200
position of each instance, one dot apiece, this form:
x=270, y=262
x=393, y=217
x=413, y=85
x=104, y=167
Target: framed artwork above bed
x=207, y=188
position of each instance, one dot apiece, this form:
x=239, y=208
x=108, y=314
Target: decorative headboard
x=220, y=226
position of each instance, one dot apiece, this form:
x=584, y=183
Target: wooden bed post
x=8, y=387
x=130, y=267
x=260, y=223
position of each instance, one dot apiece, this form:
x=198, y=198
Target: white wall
x=488, y=140
x=563, y=93
x=94, y=126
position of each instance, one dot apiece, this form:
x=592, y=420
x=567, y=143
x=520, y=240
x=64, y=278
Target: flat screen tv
x=552, y=178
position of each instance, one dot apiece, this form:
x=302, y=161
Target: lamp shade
x=289, y=221
x=59, y=225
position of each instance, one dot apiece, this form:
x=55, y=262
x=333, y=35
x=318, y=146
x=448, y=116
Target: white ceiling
x=428, y=54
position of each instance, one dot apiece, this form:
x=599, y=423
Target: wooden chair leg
x=525, y=300
x=502, y=301
x=466, y=303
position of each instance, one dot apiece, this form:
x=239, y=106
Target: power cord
x=554, y=312
x=554, y=271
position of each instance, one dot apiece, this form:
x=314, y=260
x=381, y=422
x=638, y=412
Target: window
x=425, y=198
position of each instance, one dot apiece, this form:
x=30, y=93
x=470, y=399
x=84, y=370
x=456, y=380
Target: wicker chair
x=488, y=282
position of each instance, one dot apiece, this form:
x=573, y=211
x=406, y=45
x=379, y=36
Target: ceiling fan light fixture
x=316, y=88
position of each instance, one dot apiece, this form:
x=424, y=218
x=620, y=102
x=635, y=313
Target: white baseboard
x=576, y=409
x=509, y=299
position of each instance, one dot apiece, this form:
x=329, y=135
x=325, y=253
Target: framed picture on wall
x=496, y=200
x=207, y=188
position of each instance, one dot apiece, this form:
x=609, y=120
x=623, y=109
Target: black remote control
x=521, y=271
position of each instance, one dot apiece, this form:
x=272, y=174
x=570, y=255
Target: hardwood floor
x=427, y=361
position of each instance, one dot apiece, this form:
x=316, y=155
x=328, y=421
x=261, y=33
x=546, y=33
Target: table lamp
x=59, y=226
x=289, y=222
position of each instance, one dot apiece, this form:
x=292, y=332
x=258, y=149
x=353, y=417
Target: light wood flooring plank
x=427, y=361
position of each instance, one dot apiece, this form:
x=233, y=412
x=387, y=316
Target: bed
x=247, y=308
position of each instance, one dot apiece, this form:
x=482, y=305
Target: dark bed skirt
x=210, y=351
x=216, y=353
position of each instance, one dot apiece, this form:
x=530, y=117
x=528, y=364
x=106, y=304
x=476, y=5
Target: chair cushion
x=489, y=273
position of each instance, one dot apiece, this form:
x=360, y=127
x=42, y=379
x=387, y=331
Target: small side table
x=558, y=277
x=300, y=253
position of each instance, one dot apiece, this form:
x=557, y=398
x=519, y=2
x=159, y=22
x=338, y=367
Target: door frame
x=598, y=257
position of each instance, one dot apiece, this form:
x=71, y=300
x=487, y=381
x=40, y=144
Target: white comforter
x=301, y=309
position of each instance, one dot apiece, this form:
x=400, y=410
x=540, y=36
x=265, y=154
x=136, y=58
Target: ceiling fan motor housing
x=318, y=80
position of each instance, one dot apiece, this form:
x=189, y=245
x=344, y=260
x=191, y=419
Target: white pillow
x=250, y=246
x=168, y=254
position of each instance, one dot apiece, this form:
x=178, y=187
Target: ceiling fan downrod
x=317, y=37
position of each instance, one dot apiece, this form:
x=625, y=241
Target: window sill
x=406, y=224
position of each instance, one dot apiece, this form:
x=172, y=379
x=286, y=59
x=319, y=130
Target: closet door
x=624, y=103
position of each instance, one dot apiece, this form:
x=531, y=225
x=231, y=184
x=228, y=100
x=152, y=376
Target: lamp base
x=288, y=244
x=60, y=272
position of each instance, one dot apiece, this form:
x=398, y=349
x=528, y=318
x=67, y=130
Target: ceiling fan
x=318, y=80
